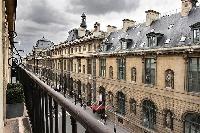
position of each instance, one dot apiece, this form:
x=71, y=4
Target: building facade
x=146, y=75
x=7, y=31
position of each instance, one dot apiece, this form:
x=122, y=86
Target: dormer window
x=196, y=35
x=196, y=32
x=153, y=38
x=126, y=43
x=152, y=41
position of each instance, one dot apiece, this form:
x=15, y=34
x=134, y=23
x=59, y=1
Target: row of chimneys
x=151, y=16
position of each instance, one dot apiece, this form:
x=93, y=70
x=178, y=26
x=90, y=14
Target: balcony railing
x=43, y=104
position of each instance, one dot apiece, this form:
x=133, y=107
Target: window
x=194, y=75
x=74, y=67
x=72, y=50
x=192, y=123
x=75, y=49
x=123, y=45
x=133, y=106
x=150, y=71
x=79, y=48
x=121, y=68
x=110, y=98
x=153, y=38
x=102, y=67
x=84, y=47
x=111, y=72
x=169, y=79
x=121, y=103
x=196, y=35
x=71, y=65
x=83, y=68
x=89, y=66
x=95, y=47
x=64, y=64
x=168, y=119
x=79, y=65
x=133, y=74
x=149, y=114
x=89, y=47
x=152, y=41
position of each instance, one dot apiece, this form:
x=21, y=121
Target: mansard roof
x=175, y=31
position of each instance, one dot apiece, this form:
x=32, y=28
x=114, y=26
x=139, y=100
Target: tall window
x=89, y=66
x=102, y=67
x=74, y=67
x=79, y=65
x=194, y=75
x=111, y=72
x=83, y=68
x=192, y=123
x=168, y=119
x=150, y=66
x=169, y=79
x=196, y=35
x=133, y=106
x=121, y=68
x=64, y=64
x=71, y=65
x=72, y=50
x=79, y=48
x=110, y=98
x=84, y=47
x=152, y=41
x=121, y=103
x=89, y=47
x=149, y=114
x=133, y=74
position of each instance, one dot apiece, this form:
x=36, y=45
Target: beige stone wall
x=1, y=69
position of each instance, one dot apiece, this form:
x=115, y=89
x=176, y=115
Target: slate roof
x=173, y=27
x=44, y=43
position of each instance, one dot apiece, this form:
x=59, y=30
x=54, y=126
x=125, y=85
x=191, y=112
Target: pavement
x=109, y=123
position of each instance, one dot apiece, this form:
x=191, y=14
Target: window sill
x=149, y=85
x=194, y=93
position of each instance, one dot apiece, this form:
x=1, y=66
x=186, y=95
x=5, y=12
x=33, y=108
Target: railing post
x=46, y=113
x=74, y=125
x=42, y=110
x=51, y=114
x=56, y=116
x=63, y=120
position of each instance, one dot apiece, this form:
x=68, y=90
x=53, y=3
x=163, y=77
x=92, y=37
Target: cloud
x=100, y=7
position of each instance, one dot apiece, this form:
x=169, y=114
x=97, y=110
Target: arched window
x=133, y=74
x=111, y=72
x=169, y=79
x=192, y=123
x=168, y=119
x=121, y=103
x=149, y=114
x=133, y=106
x=110, y=98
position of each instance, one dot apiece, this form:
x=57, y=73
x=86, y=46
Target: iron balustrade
x=39, y=98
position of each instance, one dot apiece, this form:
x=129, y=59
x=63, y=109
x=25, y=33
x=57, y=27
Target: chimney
x=187, y=6
x=151, y=16
x=111, y=28
x=128, y=23
x=96, y=27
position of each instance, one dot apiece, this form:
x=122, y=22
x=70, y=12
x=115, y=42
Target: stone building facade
x=7, y=34
x=147, y=75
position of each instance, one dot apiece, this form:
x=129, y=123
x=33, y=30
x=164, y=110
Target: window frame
x=152, y=71
x=102, y=67
x=197, y=82
x=121, y=68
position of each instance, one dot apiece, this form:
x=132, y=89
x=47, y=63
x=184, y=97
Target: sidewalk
x=109, y=123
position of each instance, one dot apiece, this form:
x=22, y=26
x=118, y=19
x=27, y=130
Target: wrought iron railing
x=43, y=104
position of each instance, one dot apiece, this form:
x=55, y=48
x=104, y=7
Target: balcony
x=44, y=105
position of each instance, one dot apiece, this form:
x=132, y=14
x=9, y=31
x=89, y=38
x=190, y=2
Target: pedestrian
x=84, y=105
x=105, y=119
x=115, y=128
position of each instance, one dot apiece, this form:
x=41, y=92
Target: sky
x=54, y=18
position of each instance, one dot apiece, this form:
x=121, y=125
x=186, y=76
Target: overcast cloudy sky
x=54, y=18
